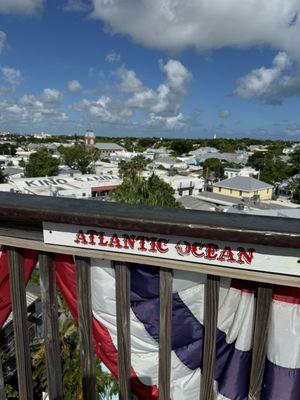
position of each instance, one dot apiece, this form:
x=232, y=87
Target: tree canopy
x=133, y=167
x=151, y=192
x=41, y=163
x=181, y=146
x=76, y=157
x=213, y=168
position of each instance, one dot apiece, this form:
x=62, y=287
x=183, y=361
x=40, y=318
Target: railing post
x=211, y=302
x=122, y=275
x=260, y=336
x=19, y=309
x=50, y=321
x=165, y=333
x=2, y=392
x=83, y=280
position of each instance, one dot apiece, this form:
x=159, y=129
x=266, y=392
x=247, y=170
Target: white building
x=79, y=186
x=246, y=171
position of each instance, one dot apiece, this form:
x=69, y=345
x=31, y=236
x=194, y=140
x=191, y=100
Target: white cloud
x=33, y=109
x=23, y=7
x=174, y=122
x=129, y=81
x=53, y=96
x=270, y=85
x=74, y=86
x=11, y=75
x=113, y=57
x=204, y=24
x=76, y=6
x=100, y=109
x=224, y=113
x=168, y=97
x=2, y=41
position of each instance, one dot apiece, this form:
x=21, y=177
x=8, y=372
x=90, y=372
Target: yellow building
x=244, y=187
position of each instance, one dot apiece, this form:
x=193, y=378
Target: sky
x=166, y=68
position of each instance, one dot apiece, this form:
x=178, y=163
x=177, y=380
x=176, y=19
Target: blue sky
x=159, y=68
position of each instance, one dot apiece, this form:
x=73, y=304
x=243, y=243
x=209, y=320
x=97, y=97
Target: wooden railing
x=21, y=218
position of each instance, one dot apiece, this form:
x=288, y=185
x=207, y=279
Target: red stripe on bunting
x=103, y=344
x=30, y=259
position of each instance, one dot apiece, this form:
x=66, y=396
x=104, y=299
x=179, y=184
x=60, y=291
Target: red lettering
x=226, y=255
x=183, y=248
x=80, y=238
x=211, y=251
x=195, y=247
x=92, y=235
x=115, y=242
x=128, y=241
x=158, y=244
x=102, y=241
x=244, y=256
x=142, y=242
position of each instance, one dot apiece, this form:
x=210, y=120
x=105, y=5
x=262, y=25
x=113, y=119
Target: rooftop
x=244, y=183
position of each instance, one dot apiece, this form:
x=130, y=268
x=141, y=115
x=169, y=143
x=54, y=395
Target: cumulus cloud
x=11, y=75
x=23, y=7
x=74, y=86
x=101, y=109
x=164, y=103
x=2, y=41
x=113, y=57
x=32, y=109
x=224, y=113
x=204, y=24
x=129, y=81
x=271, y=85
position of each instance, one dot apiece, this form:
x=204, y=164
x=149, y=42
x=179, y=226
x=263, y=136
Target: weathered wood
x=256, y=276
x=254, y=229
x=2, y=393
x=50, y=326
x=122, y=273
x=165, y=333
x=260, y=336
x=19, y=309
x=211, y=302
x=83, y=279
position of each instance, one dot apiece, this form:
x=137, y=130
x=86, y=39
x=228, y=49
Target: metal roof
x=108, y=146
x=244, y=183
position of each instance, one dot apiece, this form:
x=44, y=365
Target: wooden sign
x=199, y=250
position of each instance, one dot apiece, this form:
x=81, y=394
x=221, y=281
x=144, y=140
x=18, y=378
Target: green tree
x=295, y=160
x=41, y=163
x=76, y=157
x=106, y=385
x=181, y=146
x=213, y=168
x=133, y=167
x=3, y=178
x=152, y=192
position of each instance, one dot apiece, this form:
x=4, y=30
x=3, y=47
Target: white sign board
x=194, y=250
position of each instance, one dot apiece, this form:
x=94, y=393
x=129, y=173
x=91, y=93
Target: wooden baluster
x=19, y=309
x=260, y=335
x=165, y=333
x=83, y=277
x=122, y=274
x=2, y=392
x=50, y=326
x=211, y=303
